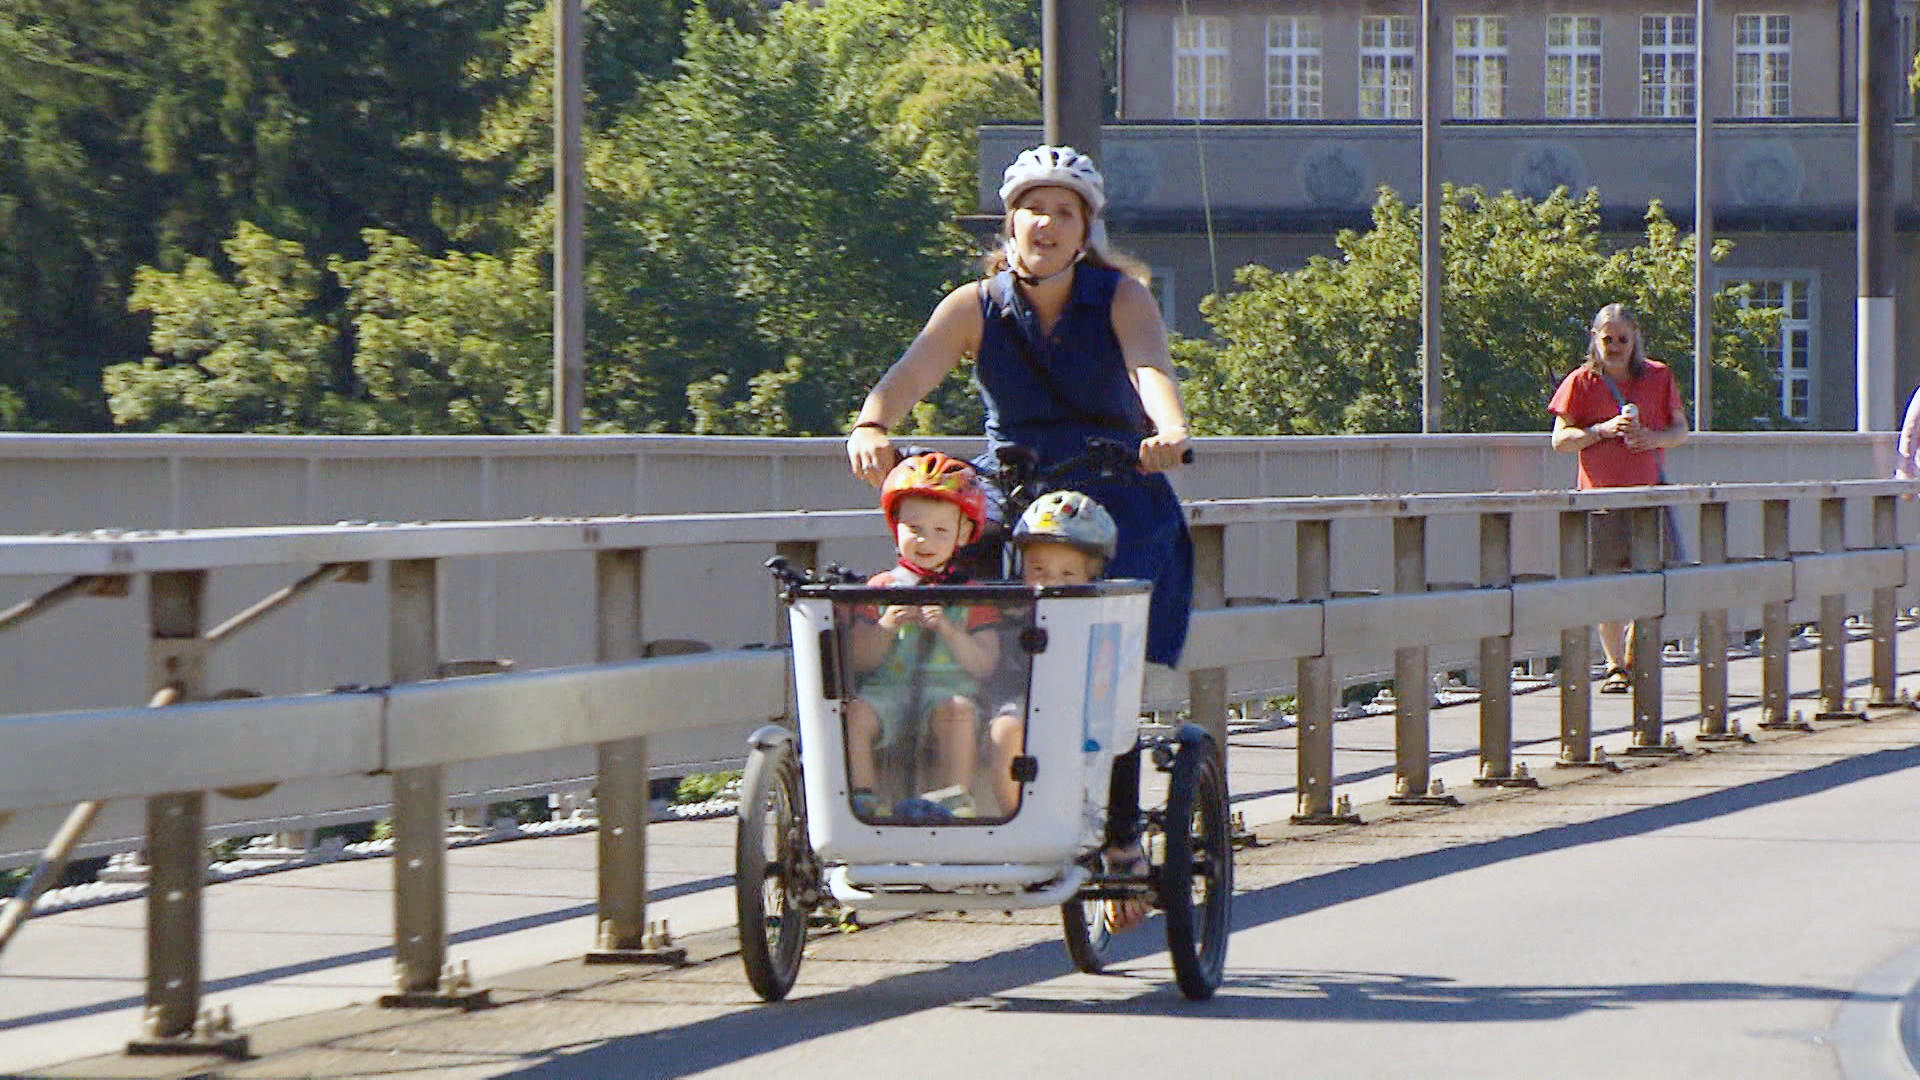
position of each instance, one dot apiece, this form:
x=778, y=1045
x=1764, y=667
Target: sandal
x=1618, y=681
x=1127, y=914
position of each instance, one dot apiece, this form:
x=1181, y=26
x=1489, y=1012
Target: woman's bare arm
x=952, y=332
x=1143, y=341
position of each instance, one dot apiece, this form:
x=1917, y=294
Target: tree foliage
x=273, y=215
x=1334, y=346
x=241, y=355
x=747, y=219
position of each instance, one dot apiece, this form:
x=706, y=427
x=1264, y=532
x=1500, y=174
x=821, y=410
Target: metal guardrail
x=415, y=728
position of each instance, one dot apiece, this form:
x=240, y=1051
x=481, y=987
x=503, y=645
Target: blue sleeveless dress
x=1086, y=391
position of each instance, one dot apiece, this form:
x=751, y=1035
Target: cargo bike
x=1067, y=691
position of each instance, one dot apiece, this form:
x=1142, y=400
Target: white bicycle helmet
x=1054, y=166
x=1071, y=518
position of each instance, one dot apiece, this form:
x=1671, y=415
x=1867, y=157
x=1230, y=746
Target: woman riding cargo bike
x=1072, y=360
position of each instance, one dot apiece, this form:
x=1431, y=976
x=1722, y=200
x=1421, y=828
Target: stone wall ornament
x=1131, y=172
x=1333, y=176
x=1539, y=168
x=1766, y=172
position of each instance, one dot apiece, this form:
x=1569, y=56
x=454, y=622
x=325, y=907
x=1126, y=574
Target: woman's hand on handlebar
x=870, y=454
x=1165, y=451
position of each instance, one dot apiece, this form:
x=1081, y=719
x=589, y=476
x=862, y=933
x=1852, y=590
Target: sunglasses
x=1610, y=339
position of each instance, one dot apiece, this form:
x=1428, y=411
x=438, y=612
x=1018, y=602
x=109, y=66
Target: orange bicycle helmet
x=936, y=476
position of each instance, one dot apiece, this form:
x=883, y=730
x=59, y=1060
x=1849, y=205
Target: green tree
x=245, y=355
x=926, y=75
x=141, y=133
x=459, y=344
x=746, y=218
x=1334, y=346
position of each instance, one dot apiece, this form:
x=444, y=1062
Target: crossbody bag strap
x=1040, y=371
x=1620, y=400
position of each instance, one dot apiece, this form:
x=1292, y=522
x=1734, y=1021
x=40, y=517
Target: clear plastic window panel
x=935, y=714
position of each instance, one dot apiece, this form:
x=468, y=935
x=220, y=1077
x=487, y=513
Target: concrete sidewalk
x=292, y=953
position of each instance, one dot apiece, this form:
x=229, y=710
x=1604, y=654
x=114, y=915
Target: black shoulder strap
x=1045, y=375
x=1619, y=399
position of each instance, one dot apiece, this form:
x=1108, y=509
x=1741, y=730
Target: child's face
x=927, y=532
x=1057, y=564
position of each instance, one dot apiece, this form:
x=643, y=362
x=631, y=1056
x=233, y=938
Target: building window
x=1480, y=67
x=1762, y=59
x=1293, y=68
x=1573, y=66
x=1792, y=346
x=1200, y=68
x=1386, y=67
x=1666, y=65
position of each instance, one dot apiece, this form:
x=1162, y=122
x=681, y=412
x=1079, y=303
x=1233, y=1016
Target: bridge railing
x=427, y=722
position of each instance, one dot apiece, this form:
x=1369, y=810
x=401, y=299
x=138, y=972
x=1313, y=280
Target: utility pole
x=1071, y=87
x=1879, y=67
x=1430, y=257
x=1702, y=221
x=570, y=210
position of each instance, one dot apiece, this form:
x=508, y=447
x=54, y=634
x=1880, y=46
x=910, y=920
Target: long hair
x=1094, y=254
x=1637, y=363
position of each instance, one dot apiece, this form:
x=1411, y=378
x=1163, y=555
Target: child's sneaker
x=921, y=812
x=956, y=800
x=866, y=805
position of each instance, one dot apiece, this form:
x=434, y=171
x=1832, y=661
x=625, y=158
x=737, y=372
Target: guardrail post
x=1647, y=646
x=176, y=841
x=1207, y=687
x=1313, y=685
x=1833, y=622
x=422, y=977
x=1576, y=654
x=1412, y=678
x=1776, y=632
x=621, y=794
x=1886, y=534
x=1496, y=663
x=1714, y=726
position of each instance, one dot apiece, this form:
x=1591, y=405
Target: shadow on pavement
x=1271, y=995
x=308, y=967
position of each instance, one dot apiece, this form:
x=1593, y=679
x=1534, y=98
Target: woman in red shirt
x=1620, y=411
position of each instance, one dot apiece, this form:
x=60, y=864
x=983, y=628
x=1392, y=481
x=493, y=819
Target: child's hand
x=895, y=616
x=934, y=617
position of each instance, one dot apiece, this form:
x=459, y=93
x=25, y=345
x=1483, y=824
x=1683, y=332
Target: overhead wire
x=1200, y=155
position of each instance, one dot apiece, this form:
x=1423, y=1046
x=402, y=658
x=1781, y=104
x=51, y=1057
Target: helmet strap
x=1020, y=274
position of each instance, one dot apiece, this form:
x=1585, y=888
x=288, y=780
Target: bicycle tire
x=1199, y=858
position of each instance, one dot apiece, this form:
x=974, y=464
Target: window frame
x=1302, y=95
x=1762, y=66
x=1485, y=64
x=1792, y=287
x=1676, y=98
x=1574, y=51
x=1392, y=63
x=1211, y=97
